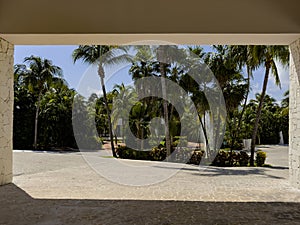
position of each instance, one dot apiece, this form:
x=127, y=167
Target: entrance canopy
x=119, y=22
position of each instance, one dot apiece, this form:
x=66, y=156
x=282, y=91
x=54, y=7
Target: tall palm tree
x=242, y=56
x=166, y=56
x=102, y=55
x=266, y=56
x=232, y=84
x=161, y=55
x=38, y=76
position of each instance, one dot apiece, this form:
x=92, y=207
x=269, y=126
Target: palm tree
x=125, y=96
x=241, y=55
x=56, y=116
x=285, y=101
x=232, y=84
x=162, y=58
x=266, y=56
x=102, y=55
x=166, y=55
x=285, y=116
x=145, y=66
x=39, y=76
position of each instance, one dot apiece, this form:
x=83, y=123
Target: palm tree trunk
x=36, y=121
x=246, y=99
x=116, y=139
x=123, y=131
x=171, y=117
x=243, y=110
x=165, y=107
x=237, y=131
x=101, y=74
x=258, y=113
x=207, y=150
x=142, y=136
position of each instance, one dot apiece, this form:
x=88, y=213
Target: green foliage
x=160, y=153
x=222, y=159
x=56, y=118
x=260, y=158
x=84, y=122
x=196, y=157
x=38, y=76
x=243, y=159
x=40, y=90
x=24, y=112
x=128, y=153
x=273, y=120
x=226, y=62
x=228, y=158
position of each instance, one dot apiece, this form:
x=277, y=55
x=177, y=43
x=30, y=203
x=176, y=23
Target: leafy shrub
x=128, y=153
x=260, y=158
x=196, y=157
x=221, y=159
x=244, y=158
x=227, y=158
x=158, y=154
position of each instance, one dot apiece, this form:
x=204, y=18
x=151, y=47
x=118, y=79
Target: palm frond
x=275, y=73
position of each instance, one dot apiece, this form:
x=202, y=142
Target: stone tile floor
x=54, y=188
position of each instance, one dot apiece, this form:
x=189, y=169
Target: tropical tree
x=232, y=84
x=56, y=117
x=271, y=123
x=285, y=101
x=102, y=55
x=124, y=97
x=242, y=56
x=268, y=56
x=24, y=113
x=284, y=119
x=162, y=58
x=168, y=57
x=38, y=76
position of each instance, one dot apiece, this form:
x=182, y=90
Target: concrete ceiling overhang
x=125, y=21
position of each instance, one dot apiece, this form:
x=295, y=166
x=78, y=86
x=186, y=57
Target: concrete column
x=294, y=110
x=6, y=110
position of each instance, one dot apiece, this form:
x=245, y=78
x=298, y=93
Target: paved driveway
x=67, y=175
x=277, y=155
x=62, y=189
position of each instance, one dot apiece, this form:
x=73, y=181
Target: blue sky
x=73, y=73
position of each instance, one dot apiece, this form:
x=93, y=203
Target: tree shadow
x=249, y=171
x=18, y=208
x=212, y=171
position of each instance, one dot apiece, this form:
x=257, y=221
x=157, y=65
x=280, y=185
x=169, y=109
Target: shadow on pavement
x=211, y=171
x=17, y=207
